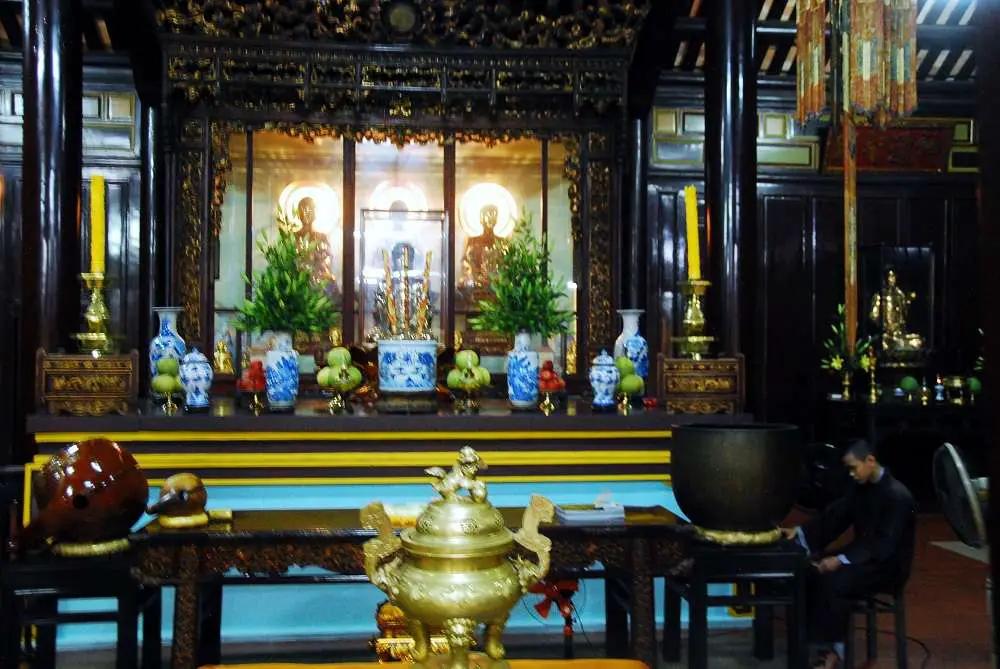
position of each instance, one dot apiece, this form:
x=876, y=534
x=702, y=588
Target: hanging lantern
x=876, y=74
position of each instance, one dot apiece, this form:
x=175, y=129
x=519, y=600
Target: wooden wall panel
x=801, y=281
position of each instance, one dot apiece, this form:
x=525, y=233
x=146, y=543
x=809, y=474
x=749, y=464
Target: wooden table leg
x=185, y=643
x=127, y=648
x=615, y=617
x=763, y=625
x=697, y=621
x=798, y=646
x=210, y=624
x=152, y=628
x=643, y=605
x=671, y=621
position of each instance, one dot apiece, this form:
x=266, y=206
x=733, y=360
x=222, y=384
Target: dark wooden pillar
x=152, y=272
x=635, y=267
x=988, y=78
x=50, y=234
x=634, y=260
x=731, y=166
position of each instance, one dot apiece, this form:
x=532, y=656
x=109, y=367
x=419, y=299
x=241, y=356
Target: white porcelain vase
x=522, y=373
x=407, y=366
x=167, y=343
x=196, y=378
x=604, y=377
x=281, y=373
x=632, y=345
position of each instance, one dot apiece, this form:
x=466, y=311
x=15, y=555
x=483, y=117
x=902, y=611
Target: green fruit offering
x=909, y=384
x=482, y=376
x=164, y=383
x=632, y=384
x=974, y=384
x=625, y=366
x=454, y=380
x=338, y=357
x=178, y=386
x=168, y=366
x=354, y=377
x=466, y=359
x=325, y=377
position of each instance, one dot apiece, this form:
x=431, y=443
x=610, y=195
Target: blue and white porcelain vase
x=604, y=377
x=407, y=366
x=632, y=345
x=167, y=344
x=196, y=379
x=522, y=373
x=281, y=373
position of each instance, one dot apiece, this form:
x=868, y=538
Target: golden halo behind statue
x=481, y=195
x=325, y=198
x=389, y=196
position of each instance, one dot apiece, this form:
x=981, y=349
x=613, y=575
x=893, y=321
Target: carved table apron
x=266, y=544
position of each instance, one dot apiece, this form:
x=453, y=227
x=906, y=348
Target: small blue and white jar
x=604, y=377
x=196, y=379
x=632, y=345
x=522, y=373
x=407, y=366
x=168, y=343
x=281, y=373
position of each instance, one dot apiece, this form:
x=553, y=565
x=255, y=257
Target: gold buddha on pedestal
x=889, y=310
x=319, y=257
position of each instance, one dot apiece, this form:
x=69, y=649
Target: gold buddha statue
x=223, y=358
x=889, y=310
x=479, y=262
x=319, y=259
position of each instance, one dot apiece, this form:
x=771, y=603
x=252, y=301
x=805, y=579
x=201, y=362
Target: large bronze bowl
x=736, y=477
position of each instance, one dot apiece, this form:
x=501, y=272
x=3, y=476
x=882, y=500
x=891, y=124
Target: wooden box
x=709, y=386
x=83, y=385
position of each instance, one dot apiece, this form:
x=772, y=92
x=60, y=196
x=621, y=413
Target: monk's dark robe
x=877, y=560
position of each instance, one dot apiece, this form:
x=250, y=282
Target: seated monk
x=883, y=514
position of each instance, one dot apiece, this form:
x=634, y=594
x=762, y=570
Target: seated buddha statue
x=889, y=310
x=479, y=262
x=319, y=257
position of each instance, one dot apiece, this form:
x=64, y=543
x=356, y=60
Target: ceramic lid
x=604, y=360
x=459, y=525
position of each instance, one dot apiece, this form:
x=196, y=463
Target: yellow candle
x=97, y=225
x=693, y=245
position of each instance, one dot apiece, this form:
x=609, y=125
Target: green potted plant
x=840, y=360
x=286, y=299
x=524, y=303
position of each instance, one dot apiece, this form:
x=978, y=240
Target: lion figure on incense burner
x=461, y=477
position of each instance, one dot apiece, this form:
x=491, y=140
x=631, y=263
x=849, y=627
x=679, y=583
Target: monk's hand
x=789, y=533
x=829, y=564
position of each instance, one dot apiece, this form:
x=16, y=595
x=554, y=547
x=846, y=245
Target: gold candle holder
x=96, y=340
x=872, y=386
x=547, y=406
x=693, y=342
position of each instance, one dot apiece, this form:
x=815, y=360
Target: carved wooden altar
x=396, y=71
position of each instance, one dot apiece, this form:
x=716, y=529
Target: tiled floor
x=948, y=623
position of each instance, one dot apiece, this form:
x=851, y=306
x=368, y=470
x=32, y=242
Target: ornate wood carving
x=600, y=198
x=708, y=386
x=83, y=385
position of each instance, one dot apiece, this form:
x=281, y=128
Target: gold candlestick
x=390, y=296
x=406, y=292
x=872, y=386
x=96, y=340
x=693, y=341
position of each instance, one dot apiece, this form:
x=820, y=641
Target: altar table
x=264, y=545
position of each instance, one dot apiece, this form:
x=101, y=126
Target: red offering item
x=253, y=380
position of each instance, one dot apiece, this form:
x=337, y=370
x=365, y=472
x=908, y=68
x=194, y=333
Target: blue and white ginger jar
x=407, y=366
x=196, y=379
x=604, y=378
x=632, y=345
x=522, y=373
x=281, y=373
x=167, y=344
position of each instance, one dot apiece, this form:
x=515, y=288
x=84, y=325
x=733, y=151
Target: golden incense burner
x=460, y=567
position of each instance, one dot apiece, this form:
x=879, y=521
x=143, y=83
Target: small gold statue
x=479, y=262
x=320, y=256
x=889, y=310
x=223, y=357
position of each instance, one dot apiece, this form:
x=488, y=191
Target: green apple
x=168, y=366
x=974, y=385
x=469, y=381
x=625, y=366
x=909, y=384
x=325, y=377
x=338, y=357
x=632, y=384
x=454, y=380
x=466, y=359
x=482, y=376
x=178, y=386
x=354, y=377
x=163, y=384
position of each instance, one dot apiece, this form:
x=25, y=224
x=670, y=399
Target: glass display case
x=402, y=274
x=356, y=199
